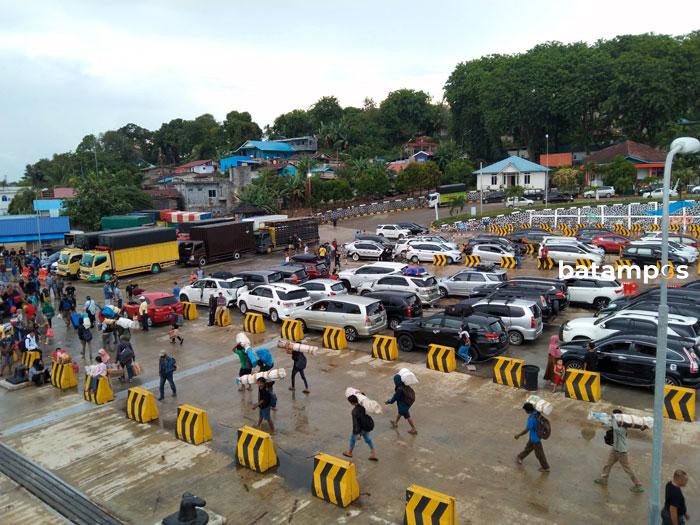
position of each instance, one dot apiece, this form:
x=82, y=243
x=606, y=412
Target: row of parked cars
x=398, y=242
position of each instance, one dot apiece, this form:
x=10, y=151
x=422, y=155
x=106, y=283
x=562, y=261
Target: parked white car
x=518, y=202
x=366, y=250
x=438, y=239
x=591, y=248
x=425, y=287
x=201, y=290
x=425, y=251
x=595, y=292
x=658, y=193
x=323, y=288
x=491, y=252
x=629, y=321
x=353, y=277
x=569, y=253
x=278, y=301
x=603, y=191
x=392, y=231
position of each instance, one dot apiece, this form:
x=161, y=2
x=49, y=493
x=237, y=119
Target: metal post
x=546, y=172
x=661, y=344
x=481, y=190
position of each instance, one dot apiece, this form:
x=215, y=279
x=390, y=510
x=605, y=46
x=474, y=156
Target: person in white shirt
x=30, y=342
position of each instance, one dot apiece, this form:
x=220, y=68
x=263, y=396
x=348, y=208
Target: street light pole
x=481, y=189
x=546, y=173
x=680, y=145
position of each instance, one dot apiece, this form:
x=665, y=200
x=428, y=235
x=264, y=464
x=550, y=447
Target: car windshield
x=63, y=259
x=293, y=295
x=425, y=283
x=338, y=287
x=231, y=284
x=87, y=259
x=321, y=266
x=165, y=301
x=274, y=277
x=496, y=327
x=500, y=277
x=374, y=308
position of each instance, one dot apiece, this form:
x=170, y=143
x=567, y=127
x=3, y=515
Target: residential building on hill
x=648, y=161
x=307, y=145
x=512, y=171
x=266, y=149
x=201, y=167
x=7, y=193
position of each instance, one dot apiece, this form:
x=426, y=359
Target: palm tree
x=295, y=189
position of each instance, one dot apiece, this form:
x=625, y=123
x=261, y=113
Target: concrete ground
x=465, y=445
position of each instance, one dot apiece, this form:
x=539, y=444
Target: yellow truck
x=130, y=252
x=69, y=260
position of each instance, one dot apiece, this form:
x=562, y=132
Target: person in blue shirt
x=534, y=442
x=176, y=291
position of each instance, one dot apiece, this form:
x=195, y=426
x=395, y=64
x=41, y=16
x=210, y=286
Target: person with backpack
x=616, y=437
x=404, y=397
x=90, y=308
x=85, y=336
x=362, y=425
x=538, y=429
x=246, y=367
x=166, y=368
x=299, y=360
x=264, y=404
x=126, y=357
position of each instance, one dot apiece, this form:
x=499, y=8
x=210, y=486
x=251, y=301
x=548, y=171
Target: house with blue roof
x=513, y=171
x=233, y=161
x=266, y=149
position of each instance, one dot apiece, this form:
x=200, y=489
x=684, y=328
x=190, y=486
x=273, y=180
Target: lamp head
x=686, y=145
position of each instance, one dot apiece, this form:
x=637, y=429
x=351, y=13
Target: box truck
x=446, y=194
x=279, y=234
x=217, y=242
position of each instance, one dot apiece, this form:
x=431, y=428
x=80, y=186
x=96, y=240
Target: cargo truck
x=115, y=222
x=446, y=194
x=280, y=234
x=217, y=242
x=183, y=228
x=69, y=259
x=129, y=252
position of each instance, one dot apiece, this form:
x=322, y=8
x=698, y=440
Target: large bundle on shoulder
x=368, y=404
x=269, y=375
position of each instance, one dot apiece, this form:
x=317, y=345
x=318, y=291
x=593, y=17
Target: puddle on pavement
x=295, y=468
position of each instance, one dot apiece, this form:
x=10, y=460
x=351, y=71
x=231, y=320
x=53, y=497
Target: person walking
x=108, y=292
x=118, y=297
x=404, y=397
x=166, y=368
x=299, y=360
x=619, y=453
x=48, y=310
x=534, y=441
x=544, y=253
x=246, y=367
x=362, y=425
x=674, y=511
x=65, y=307
x=126, y=356
x=553, y=353
x=590, y=358
x=85, y=336
x=264, y=404
x=90, y=308
x=143, y=312
x=176, y=290
x=213, y=303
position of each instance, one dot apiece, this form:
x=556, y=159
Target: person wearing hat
x=143, y=312
x=166, y=368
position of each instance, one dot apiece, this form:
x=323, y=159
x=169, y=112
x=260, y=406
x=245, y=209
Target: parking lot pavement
x=19, y=506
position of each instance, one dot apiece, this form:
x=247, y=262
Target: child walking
x=559, y=374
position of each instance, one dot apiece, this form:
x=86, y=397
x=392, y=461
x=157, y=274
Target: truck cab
x=263, y=241
x=95, y=265
x=69, y=262
x=192, y=252
x=432, y=199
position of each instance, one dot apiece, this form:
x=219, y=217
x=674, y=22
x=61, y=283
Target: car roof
x=286, y=287
x=360, y=300
x=156, y=295
x=322, y=281
x=390, y=293
x=508, y=302
x=672, y=318
x=672, y=341
x=306, y=257
x=257, y=272
x=287, y=268
x=396, y=266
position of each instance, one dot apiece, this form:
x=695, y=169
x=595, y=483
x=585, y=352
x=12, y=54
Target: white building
x=513, y=171
x=7, y=193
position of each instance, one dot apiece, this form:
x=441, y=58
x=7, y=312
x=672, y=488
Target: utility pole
x=546, y=173
x=97, y=171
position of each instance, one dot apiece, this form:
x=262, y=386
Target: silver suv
x=359, y=316
x=522, y=317
x=463, y=282
x=424, y=286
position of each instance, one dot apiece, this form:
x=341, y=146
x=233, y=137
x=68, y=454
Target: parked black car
x=555, y=294
x=534, y=194
x=494, y=196
x=678, y=294
x=557, y=196
x=561, y=287
x=529, y=236
x=415, y=229
x=399, y=306
x=648, y=255
x=692, y=285
x=292, y=273
x=631, y=359
x=487, y=333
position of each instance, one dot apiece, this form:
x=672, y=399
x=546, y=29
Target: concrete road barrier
x=428, y=506
x=582, y=385
x=508, y=371
x=141, y=405
x=334, y=480
x=545, y=264
x=441, y=358
x=508, y=263
x=192, y=425
x=189, y=311
x=253, y=323
x=255, y=450
x=292, y=330
x=98, y=390
x=222, y=317
x=440, y=260
x=679, y=403
x=470, y=261
x=28, y=357
x=385, y=347
x=63, y=376
x=334, y=338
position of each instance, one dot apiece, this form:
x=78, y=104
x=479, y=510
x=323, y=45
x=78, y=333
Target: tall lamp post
x=546, y=173
x=682, y=145
x=308, y=188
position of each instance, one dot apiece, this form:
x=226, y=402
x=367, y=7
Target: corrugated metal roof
x=14, y=226
x=266, y=145
x=520, y=164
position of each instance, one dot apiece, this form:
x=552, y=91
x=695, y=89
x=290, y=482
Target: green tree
x=405, y=113
x=296, y=123
x=372, y=182
x=684, y=177
x=418, y=176
x=515, y=191
x=459, y=171
x=239, y=127
x=445, y=153
x=566, y=179
x=325, y=111
x=22, y=202
x=621, y=174
x=457, y=204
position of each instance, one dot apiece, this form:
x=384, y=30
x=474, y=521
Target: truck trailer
x=130, y=252
x=217, y=242
x=280, y=234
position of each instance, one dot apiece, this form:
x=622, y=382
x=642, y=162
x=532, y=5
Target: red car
x=315, y=267
x=160, y=306
x=611, y=242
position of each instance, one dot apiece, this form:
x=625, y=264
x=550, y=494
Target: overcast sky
x=72, y=68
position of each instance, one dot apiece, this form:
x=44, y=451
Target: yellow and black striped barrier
x=253, y=323
x=546, y=227
x=292, y=330
x=525, y=226
x=580, y=225
x=585, y=264
x=440, y=260
x=28, y=357
x=545, y=263
x=334, y=338
x=671, y=269
x=622, y=262
x=470, y=261
x=63, y=376
x=508, y=371
x=192, y=425
x=679, y=403
x=222, y=317
x=582, y=385
x=141, y=405
x=636, y=228
x=334, y=480
x=428, y=506
x=385, y=347
x=441, y=358
x=98, y=390
x=189, y=311
x=255, y=450
x=599, y=225
x=530, y=249
x=674, y=228
x=508, y=262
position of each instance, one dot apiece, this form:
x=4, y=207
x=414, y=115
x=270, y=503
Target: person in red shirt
x=29, y=310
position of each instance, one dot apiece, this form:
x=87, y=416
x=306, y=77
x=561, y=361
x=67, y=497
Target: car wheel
x=274, y=316
x=576, y=364
x=236, y=256
x=202, y=261
x=355, y=257
x=150, y=321
x=350, y=334
x=443, y=292
x=243, y=307
x=364, y=292
x=184, y=298
x=303, y=325
x=414, y=259
x=515, y=338
x=672, y=381
x=393, y=323
x=406, y=343
x=600, y=302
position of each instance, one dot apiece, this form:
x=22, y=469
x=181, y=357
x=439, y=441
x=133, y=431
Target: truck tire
x=202, y=261
x=155, y=268
x=236, y=256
